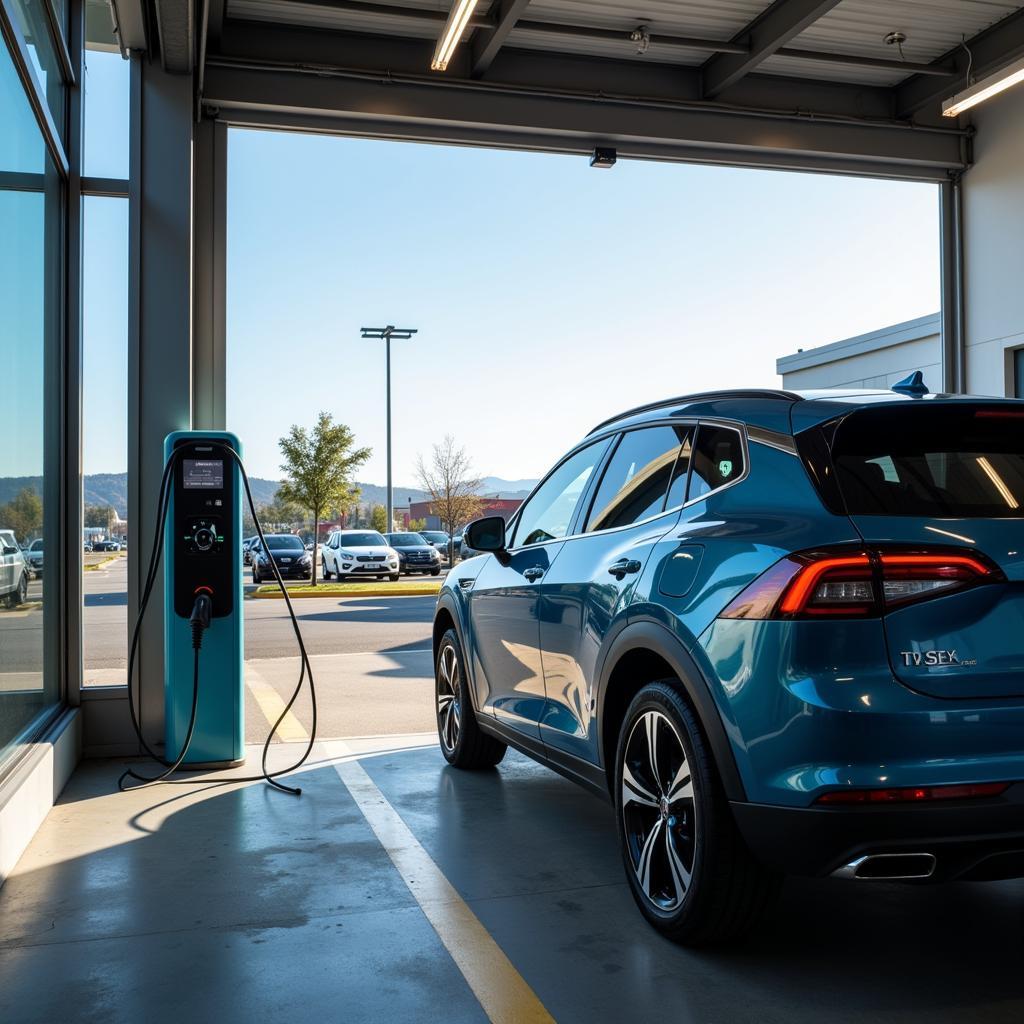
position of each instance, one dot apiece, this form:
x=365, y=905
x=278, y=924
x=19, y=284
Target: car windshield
x=363, y=540
x=405, y=540
x=436, y=537
x=37, y=545
x=285, y=542
x=947, y=461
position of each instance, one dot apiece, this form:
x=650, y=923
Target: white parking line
x=501, y=990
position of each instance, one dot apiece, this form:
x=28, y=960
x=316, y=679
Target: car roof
x=783, y=411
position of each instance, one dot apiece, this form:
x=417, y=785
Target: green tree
x=415, y=525
x=379, y=519
x=102, y=516
x=318, y=467
x=23, y=513
x=278, y=513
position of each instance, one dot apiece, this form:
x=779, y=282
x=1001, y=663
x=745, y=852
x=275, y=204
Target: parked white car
x=358, y=553
x=14, y=571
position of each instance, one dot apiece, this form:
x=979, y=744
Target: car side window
x=717, y=459
x=549, y=513
x=635, y=484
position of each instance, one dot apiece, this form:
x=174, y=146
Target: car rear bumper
x=970, y=839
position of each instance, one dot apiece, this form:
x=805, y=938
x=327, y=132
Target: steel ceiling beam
x=986, y=52
x=392, y=105
x=176, y=30
x=487, y=42
x=544, y=69
x=783, y=21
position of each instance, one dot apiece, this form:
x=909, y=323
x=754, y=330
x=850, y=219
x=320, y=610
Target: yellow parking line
x=272, y=705
x=501, y=990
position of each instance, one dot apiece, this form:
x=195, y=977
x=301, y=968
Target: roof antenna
x=913, y=385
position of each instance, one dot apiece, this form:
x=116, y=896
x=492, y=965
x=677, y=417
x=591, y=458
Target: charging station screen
x=203, y=474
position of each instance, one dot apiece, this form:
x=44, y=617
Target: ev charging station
x=199, y=541
x=202, y=555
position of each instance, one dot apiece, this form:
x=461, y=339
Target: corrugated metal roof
x=293, y=12
x=859, y=26
x=710, y=19
x=621, y=49
x=718, y=20
x=853, y=27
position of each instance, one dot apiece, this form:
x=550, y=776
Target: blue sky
x=548, y=295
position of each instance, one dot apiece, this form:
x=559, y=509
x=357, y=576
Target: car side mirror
x=487, y=534
x=8, y=550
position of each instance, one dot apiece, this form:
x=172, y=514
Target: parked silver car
x=13, y=571
x=34, y=557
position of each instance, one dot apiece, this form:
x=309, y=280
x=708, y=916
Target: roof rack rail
x=785, y=396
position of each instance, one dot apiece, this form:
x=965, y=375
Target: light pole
x=387, y=333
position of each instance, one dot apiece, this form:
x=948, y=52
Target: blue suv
x=784, y=632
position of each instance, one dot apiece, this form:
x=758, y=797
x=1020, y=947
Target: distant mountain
x=112, y=489
x=497, y=486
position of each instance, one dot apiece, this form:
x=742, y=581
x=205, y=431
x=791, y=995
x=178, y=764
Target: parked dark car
x=438, y=539
x=288, y=551
x=415, y=554
x=106, y=545
x=780, y=631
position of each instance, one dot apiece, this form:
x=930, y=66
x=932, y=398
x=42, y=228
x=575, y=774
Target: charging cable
x=200, y=620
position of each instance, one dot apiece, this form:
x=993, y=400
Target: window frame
x=741, y=430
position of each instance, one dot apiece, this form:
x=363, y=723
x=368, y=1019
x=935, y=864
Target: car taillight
x=857, y=583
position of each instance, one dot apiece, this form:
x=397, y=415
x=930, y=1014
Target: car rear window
x=953, y=461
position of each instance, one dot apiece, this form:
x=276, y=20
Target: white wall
x=875, y=360
x=993, y=217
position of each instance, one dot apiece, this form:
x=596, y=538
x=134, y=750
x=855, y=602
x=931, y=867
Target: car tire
x=255, y=576
x=688, y=868
x=395, y=577
x=325, y=572
x=462, y=742
x=436, y=571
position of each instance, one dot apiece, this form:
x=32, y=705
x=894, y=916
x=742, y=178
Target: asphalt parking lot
x=370, y=656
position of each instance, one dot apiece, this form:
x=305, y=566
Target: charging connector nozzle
x=202, y=612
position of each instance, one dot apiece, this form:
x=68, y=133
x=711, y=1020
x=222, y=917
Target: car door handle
x=533, y=573
x=622, y=566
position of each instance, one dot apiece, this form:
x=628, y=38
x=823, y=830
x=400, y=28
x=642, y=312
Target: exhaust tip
x=889, y=867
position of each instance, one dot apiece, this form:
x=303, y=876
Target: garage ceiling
x=810, y=84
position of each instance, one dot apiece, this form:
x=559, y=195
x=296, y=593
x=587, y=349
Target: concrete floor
x=236, y=903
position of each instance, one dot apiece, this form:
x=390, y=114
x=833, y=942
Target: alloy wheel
x=659, y=813
x=449, y=704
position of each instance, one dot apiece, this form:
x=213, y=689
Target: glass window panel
x=105, y=440
x=35, y=27
x=717, y=460
x=31, y=297
x=107, y=98
x=548, y=514
x=634, y=485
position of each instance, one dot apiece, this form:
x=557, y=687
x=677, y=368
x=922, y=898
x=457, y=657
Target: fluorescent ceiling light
x=989, y=86
x=454, y=27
